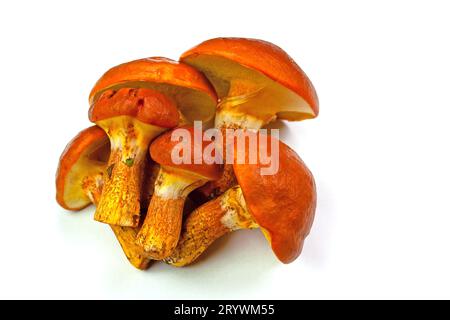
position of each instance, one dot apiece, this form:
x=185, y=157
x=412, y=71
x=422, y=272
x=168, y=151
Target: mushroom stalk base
x=125, y=235
x=120, y=201
x=134, y=253
x=161, y=229
x=210, y=222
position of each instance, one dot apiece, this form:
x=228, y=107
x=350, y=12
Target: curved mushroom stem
x=126, y=236
x=208, y=223
x=134, y=253
x=161, y=229
x=120, y=201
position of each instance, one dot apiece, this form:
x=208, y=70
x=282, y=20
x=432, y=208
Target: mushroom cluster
x=162, y=209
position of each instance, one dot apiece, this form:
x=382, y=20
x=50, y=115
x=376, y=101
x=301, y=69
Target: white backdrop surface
x=379, y=149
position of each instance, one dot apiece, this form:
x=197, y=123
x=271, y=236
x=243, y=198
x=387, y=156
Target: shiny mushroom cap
x=258, y=76
x=283, y=204
x=147, y=105
x=190, y=90
x=84, y=157
x=168, y=145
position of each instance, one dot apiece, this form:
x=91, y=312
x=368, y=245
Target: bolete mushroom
x=134, y=102
x=256, y=82
x=161, y=229
x=282, y=205
x=79, y=177
x=79, y=182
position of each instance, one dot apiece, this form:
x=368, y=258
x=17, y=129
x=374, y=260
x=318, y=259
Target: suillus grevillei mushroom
x=79, y=182
x=163, y=164
x=161, y=229
x=79, y=177
x=256, y=82
x=135, y=102
x=282, y=205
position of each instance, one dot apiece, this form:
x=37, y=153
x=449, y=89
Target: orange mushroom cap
x=282, y=204
x=258, y=55
x=191, y=91
x=146, y=105
x=162, y=147
x=87, y=151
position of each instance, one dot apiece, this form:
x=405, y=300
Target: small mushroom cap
x=252, y=62
x=191, y=91
x=162, y=147
x=147, y=105
x=282, y=204
x=85, y=155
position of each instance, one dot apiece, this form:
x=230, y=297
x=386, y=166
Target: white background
x=379, y=149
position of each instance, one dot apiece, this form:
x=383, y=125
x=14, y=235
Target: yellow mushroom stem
x=92, y=186
x=161, y=229
x=229, y=116
x=237, y=108
x=134, y=253
x=248, y=104
x=120, y=201
x=209, y=222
